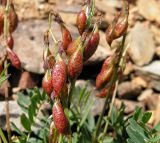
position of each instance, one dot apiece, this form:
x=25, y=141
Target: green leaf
x=134, y=135
x=23, y=108
x=135, y=126
x=14, y=127
x=25, y=122
x=31, y=113
x=155, y=139
x=24, y=100
x=3, y=136
x=146, y=117
x=137, y=113
x=86, y=112
x=157, y=127
x=114, y=115
x=130, y=141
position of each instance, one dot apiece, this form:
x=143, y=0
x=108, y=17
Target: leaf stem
x=72, y=86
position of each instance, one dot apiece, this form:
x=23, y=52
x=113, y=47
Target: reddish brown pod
x=92, y=44
x=13, y=58
x=75, y=64
x=103, y=92
x=106, y=72
x=10, y=41
x=73, y=46
x=47, y=83
x=1, y=66
x=59, y=118
x=66, y=36
x=59, y=77
x=81, y=21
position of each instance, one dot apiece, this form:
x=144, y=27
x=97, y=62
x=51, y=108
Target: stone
x=149, y=9
x=130, y=106
x=141, y=44
x=27, y=80
x=29, y=43
x=128, y=90
x=158, y=51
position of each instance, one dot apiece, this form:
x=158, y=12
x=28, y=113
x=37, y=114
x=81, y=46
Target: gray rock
x=153, y=68
x=29, y=43
x=141, y=44
x=150, y=9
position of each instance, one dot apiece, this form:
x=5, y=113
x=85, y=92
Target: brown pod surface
x=75, y=64
x=92, y=45
x=10, y=41
x=81, y=21
x=66, y=37
x=59, y=118
x=103, y=77
x=13, y=58
x=2, y=12
x=59, y=77
x=47, y=83
x=73, y=46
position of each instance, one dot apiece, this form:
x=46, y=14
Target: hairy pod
x=104, y=77
x=10, y=41
x=13, y=58
x=1, y=66
x=75, y=64
x=59, y=118
x=59, y=77
x=103, y=92
x=73, y=46
x=92, y=45
x=106, y=72
x=66, y=37
x=81, y=21
x=119, y=25
x=47, y=83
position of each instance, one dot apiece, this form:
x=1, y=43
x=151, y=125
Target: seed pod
x=75, y=64
x=104, y=77
x=73, y=46
x=1, y=66
x=92, y=45
x=13, y=58
x=81, y=21
x=119, y=25
x=10, y=41
x=59, y=77
x=66, y=37
x=13, y=19
x=59, y=118
x=104, y=91
x=47, y=83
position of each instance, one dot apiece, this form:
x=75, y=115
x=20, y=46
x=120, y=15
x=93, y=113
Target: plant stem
x=2, y=136
x=60, y=139
x=71, y=93
x=110, y=109
x=6, y=31
x=113, y=80
x=104, y=107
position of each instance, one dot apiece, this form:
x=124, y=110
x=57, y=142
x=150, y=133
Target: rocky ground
x=141, y=82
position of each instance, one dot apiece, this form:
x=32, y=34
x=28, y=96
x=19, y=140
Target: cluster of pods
x=115, y=30
x=65, y=64
x=7, y=40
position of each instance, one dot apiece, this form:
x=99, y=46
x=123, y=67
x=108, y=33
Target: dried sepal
x=53, y=133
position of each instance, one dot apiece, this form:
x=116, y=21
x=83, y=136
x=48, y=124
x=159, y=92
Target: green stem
x=3, y=136
x=113, y=80
x=60, y=139
x=71, y=93
x=110, y=109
